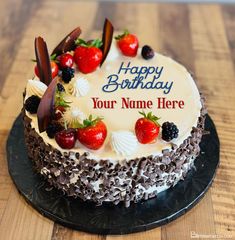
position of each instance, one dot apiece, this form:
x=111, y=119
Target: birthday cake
x=111, y=120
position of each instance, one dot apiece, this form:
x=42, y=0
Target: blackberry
x=31, y=104
x=52, y=129
x=169, y=131
x=67, y=74
x=60, y=87
x=147, y=52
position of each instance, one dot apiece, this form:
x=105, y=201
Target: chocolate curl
x=45, y=108
x=43, y=60
x=106, y=39
x=68, y=43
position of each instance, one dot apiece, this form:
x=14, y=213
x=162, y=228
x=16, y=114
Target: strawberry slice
x=128, y=44
x=88, y=55
x=147, y=128
x=92, y=133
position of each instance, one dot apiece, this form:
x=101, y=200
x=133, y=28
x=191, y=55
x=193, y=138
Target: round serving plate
x=108, y=218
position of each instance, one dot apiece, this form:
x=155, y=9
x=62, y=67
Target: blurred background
x=40, y=17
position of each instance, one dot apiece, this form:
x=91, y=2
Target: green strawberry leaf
x=60, y=101
x=90, y=122
x=80, y=42
x=150, y=117
x=125, y=33
x=94, y=43
x=53, y=57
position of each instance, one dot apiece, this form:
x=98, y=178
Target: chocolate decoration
x=106, y=39
x=68, y=43
x=44, y=113
x=43, y=60
x=108, y=219
x=123, y=182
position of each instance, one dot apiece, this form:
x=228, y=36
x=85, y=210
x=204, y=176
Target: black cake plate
x=110, y=219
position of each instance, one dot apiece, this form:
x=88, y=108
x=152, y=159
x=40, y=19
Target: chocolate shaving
x=43, y=60
x=68, y=43
x=138, y=175
x=106, y=39
x=44, y=113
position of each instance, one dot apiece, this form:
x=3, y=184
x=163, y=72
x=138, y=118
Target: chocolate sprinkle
x=99, y=181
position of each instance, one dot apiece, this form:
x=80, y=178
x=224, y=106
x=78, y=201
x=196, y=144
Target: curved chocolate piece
x=68, y=43
x=45, y=108
x=106, y=39
x=43, y=60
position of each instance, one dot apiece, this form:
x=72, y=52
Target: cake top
x=112, y=98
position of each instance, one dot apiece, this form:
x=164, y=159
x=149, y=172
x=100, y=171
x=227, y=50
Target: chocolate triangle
x=43, y=60
x=45, y=108
x=106, y=39
x=68, y=43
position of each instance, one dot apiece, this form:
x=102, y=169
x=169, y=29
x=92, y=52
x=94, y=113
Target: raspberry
x=60, y=87
x=67, y=74
x=147, y=52
x=52, y=129
x=31, y=104
x=169, y=131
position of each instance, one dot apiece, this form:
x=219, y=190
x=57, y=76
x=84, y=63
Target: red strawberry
x=54, y=69
x=147, y=128
x=66, y=60
x=87, y=55
x=66, y=138
x=128, y=44
x=92, y=133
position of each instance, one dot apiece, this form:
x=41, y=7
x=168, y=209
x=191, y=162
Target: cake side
x=103, y=181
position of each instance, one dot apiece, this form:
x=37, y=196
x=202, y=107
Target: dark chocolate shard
x=43, y=60
x=106, y=39
x=45, y=108
x=68, y=43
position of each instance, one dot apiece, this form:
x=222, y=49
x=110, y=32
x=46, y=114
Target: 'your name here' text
x=127, y=103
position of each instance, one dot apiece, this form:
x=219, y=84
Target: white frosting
x=79, y=87
x=124, y=142
x=35, y=87
x=117, y=119
x=73, y=115
x=114, y=53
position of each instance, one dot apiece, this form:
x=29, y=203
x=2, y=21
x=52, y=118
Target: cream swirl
x=124, y=142
x=79, y=87
x=35, y=87
x=73, y=116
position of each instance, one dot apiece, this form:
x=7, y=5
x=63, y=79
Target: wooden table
x=202, y=37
